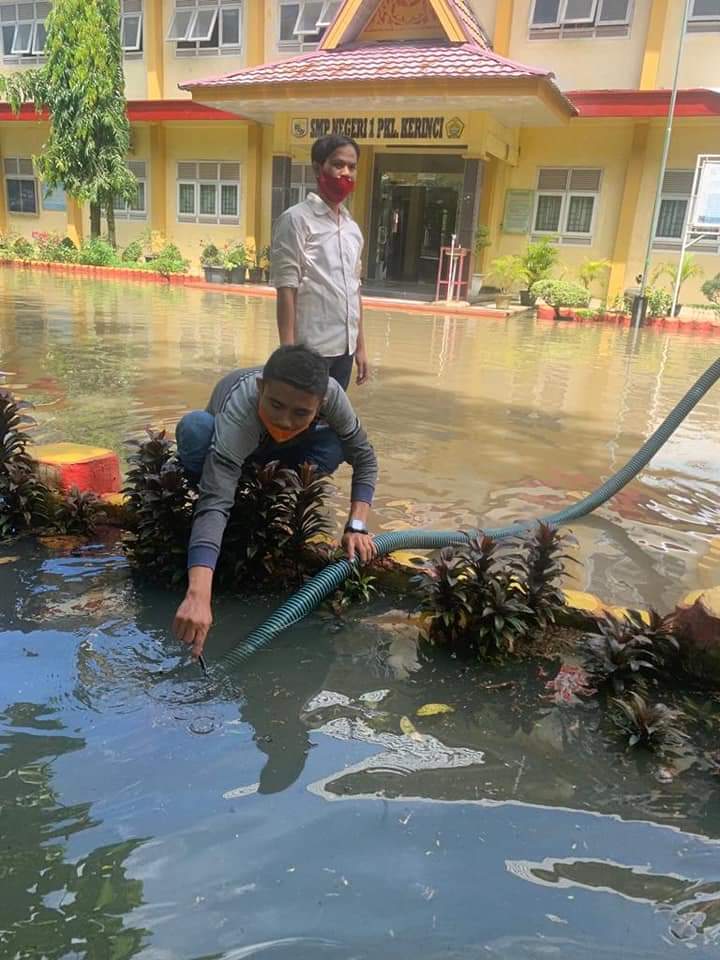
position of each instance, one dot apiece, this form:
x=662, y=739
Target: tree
x=82, y=86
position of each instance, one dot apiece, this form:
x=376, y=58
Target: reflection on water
x=474, y=420
x=303, y=808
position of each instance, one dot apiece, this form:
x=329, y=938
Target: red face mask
x=335, y=188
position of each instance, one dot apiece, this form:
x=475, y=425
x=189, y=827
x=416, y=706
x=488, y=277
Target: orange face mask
x=277, y=433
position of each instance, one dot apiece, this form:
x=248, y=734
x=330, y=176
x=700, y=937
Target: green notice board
x=518, y=210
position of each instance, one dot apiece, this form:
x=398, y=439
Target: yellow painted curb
x=61, y=454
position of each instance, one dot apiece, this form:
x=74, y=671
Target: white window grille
x=21, y=187
x=302, y=181
x=302, y=23
x=207, y=27
x=555, y=19
x=208, y=192
x=23, y=31
x=131, y=26
x=704, y=16
x=135, y=209
x=566, y=203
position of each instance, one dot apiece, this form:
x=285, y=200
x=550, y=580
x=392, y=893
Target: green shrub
x=538, y=261
x=23, y=496
x=52, y=248
x=76, y=512
x=212, y=256
x=626, y=651
x=133, y=252
x=22, y=249
x=169, y=261
x=562, y=293
x=236, y=255
x=97, y=253
x=651, y=725
x=711, y=289
x=659, y=303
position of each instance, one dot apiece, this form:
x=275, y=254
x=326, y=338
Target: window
x=303, y=22
x=208, y=192
x=53, y=198
x=551, y=19
x=202, y=27
x=23, y=31
x=135, y=209
x=565, y=203
x=704, y=15
x=131, y=26
x=302, y=181
x=674, y=211
x=20, y=185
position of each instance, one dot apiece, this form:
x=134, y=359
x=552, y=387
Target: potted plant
x=688, y=269
x=562, y=293
x=537, y=263
x=213, y=264
x=265, y=263
x=592, y=270
x=506, y=271
x=256, y=271
x=480, y=241
x=236, y=261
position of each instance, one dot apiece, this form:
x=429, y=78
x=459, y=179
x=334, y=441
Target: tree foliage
x=82, y=86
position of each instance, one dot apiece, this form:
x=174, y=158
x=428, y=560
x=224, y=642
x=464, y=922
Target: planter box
x=215, y=274
x=236, y=275
x=256, y=275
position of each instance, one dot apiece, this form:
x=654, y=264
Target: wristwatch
x=355, y=526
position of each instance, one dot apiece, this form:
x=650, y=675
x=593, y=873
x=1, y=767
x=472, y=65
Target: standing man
x=316, y=265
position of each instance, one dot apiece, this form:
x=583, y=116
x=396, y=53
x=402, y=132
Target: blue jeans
x=319, y=445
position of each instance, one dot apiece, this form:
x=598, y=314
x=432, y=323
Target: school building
x=532, y=117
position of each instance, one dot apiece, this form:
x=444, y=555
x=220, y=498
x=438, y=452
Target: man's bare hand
x=360, y=545
x=192, y=622
x=363, y=367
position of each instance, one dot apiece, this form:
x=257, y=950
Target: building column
x=253, y=187
x=628, y=209
x=75, y=225
x=255, y=33
x=154, y=44
x=491, y=208
x=503, y=27
x=653, y=44
x=362, y=198
x=158, y=179
x=3, y=195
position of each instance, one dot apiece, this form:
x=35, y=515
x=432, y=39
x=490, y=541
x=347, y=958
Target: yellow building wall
x=690, y=137
x=582, y=144
x=25, y=139
x=135, y=79
x=222, y=142
x=485, y=11
x=602, y=63
x=698, y=67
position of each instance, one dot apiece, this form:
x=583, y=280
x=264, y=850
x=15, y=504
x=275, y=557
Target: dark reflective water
x=306, y=811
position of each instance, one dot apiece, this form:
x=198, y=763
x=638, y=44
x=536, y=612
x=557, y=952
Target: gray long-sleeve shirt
x=239, y=432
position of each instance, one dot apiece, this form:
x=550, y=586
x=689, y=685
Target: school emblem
x=300, y=128
x=454, y=128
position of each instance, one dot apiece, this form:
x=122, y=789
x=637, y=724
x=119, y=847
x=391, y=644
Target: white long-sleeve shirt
x=319, y=255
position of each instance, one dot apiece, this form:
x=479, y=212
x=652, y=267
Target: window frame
x=188, y=46
x=200, y=218
x=32, y=53
x=566, y=196
x=21, y=178
x=560, y=21
x=126, y=212
x=703, y=17
x=297, y=44
x=126, y=15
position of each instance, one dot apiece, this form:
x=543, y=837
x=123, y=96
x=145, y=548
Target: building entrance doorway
x=415, y=206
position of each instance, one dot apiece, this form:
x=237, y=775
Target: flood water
x=146, y=812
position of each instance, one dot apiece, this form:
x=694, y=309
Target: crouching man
x=290, y=411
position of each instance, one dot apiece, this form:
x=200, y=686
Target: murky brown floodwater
x=146, y=813
x=474, y=421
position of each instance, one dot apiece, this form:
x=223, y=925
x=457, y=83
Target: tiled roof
x=380, y=61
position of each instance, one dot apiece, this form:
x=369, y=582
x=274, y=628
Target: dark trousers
x=340, y=369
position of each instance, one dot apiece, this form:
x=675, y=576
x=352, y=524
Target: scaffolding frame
x=694, y=233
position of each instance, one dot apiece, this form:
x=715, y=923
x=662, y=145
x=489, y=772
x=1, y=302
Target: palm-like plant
x=23, y=496
x=446, y=592
x=77, y=512
x=540, y=570
x=624, y=651
x=651, y=725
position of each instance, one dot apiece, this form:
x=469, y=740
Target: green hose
x=323, y=584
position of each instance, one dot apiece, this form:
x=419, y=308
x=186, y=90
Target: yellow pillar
x=3, y=204
x=503, y=27
x=154, y=43
x=489, y=210
x=253, y=186
x=628, y=209
x=158, y=179
x=659, y=10
x=362, y=197
x=74, y=217
x=255, y=33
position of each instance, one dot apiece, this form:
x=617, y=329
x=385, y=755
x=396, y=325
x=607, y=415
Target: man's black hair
x=326, y=146
x=299, y=366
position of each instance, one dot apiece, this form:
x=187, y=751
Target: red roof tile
x=380, y=61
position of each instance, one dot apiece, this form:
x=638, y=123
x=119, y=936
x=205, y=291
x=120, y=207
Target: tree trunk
x=94, y=221
x=110, y=214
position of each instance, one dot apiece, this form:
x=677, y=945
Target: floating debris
x=434, y=709
x=201, y=725
x=408, y=728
